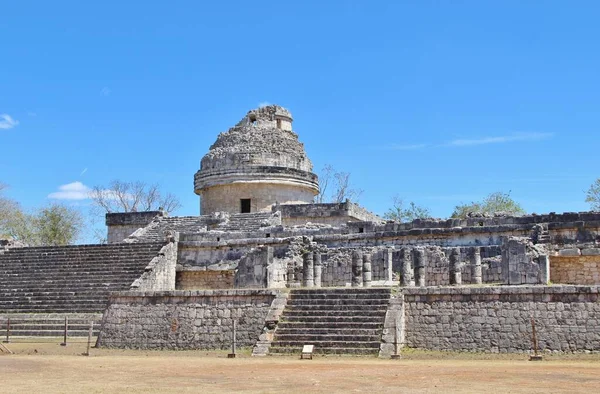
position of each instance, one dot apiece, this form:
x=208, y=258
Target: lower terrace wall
x=184, y=319
x=498, y=319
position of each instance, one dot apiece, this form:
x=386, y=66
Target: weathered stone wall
x=498, y=319
x=334, y=214
x=160, y=272
x=263, y=196
x=184, y=319
x=577, y=270
x=121, y=225
x=199, y=280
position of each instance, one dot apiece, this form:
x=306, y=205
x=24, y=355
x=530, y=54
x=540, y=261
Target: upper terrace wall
x=123, y=224
x=334, y=214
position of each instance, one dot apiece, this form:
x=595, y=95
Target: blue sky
x=439, y=102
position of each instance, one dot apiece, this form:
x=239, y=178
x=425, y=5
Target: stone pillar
x=269, y=268
x=544, y=263
x=318, y=269
x=407, y=271
x=387, y=265
x=367, y=274
x=291, y=275
x=419, y=258
x=455, y=274
x=357, y=269
x=308, y=271
x=476, y=275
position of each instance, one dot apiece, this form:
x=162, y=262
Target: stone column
x=544, y=264
x=367, y=274
x=387, y=265
x=419, y=258
x=318, y=269
x=308, y=272
x=407, y=271
x=476, y=275
x=291, y=276
x=357, y=268
x=455, y=274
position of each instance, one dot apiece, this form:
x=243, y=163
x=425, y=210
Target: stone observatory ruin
x=290, y=272
x=257, y=163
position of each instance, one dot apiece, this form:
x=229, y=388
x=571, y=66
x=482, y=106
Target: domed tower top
x=256, y=164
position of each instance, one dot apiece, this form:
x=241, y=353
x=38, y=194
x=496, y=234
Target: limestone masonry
x=288, y=272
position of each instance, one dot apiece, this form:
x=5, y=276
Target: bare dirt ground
x=50, y=368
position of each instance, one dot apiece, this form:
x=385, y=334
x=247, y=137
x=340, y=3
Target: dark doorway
x=245, y=205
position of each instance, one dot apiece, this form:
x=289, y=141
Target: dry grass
x=48, y=368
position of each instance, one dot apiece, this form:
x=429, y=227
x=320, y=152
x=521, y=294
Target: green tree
x=52, y=225
x=14, y=223
x=494, y=203
x=592, y=196
x=57, y=225
x=401, y=213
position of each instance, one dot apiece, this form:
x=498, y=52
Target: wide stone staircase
x=336, y=321
x=69, y=279
x=248, y=222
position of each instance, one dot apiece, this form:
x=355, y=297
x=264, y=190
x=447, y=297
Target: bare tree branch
x=132, y=197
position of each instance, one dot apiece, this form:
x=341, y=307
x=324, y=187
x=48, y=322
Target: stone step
x=341, y=291
x=118, y=254
x=337, y=308
x=338, y=302
x=349, y=351
x=56, y=292
x=326, y=296
x=55, y=309
x=328, y=338
x=376, y=325
x=327, y=331
x=45, y=265
x=59, y=286
x=70, y=306
x=65, y=297
x=86, y=276
x=331, y=319
x=327, y=344
x=89, y=279
x=325, y=313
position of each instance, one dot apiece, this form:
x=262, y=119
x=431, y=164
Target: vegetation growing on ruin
x=497, y=203
x=401, y=212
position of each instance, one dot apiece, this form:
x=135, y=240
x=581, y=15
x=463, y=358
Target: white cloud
x=263, y=104
x=78, y=191
x=83, y=172
x=501, y=139
x=71, y=191
x=7, y=122
x=105, y=91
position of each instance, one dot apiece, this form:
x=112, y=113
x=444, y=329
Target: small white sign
x=308, y=348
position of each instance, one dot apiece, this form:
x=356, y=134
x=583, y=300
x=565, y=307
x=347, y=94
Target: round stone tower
x=255, y=164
